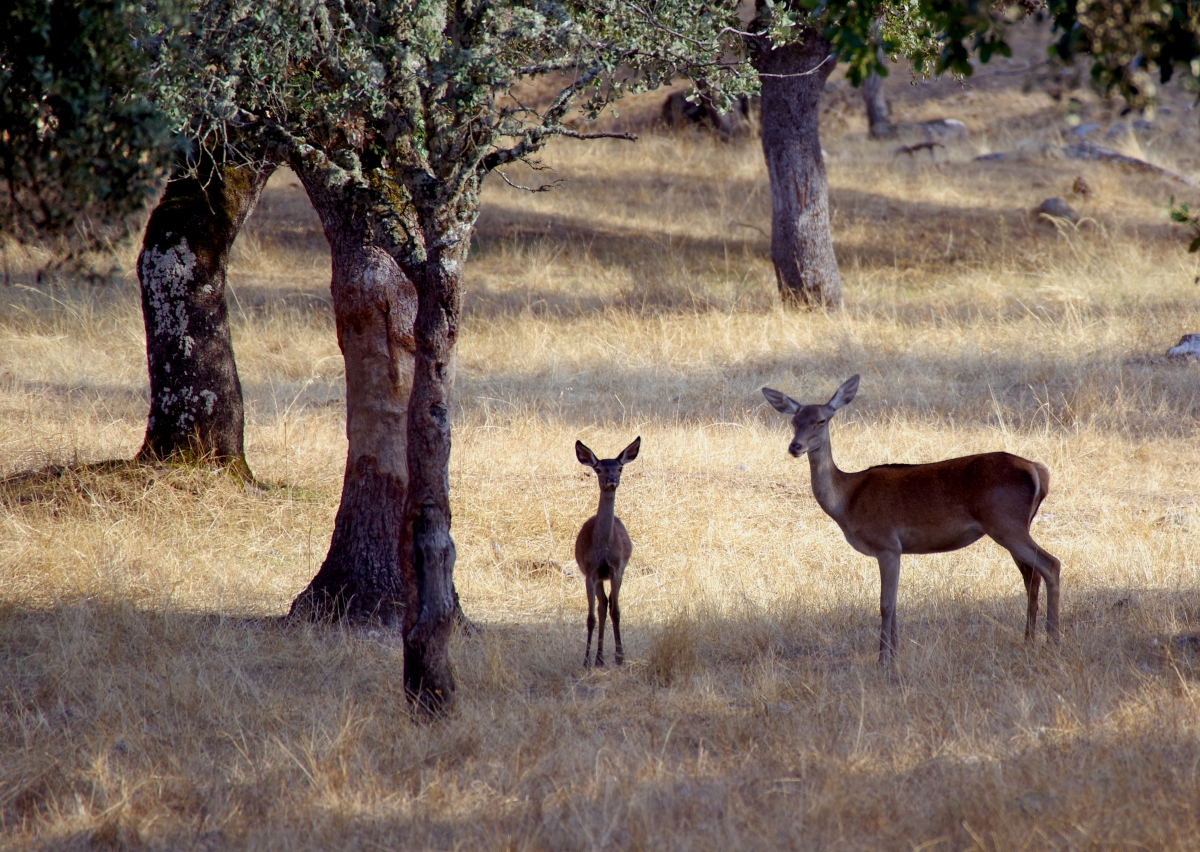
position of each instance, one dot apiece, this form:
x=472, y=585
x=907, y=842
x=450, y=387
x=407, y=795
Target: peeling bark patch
x=187, y=401
x=165, y=275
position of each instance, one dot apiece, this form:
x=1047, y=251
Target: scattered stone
x=942, y=130
x=1056, y=208
x=1091, y=151
x=1082, y=187
x=1191, y=642
x=1187, y=347
x=945, y=130
x=1083, y=131
x=1117, y=132
x=1143, y=126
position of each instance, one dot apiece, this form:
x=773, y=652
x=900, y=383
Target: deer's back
x=603, y=558
x=943, y=505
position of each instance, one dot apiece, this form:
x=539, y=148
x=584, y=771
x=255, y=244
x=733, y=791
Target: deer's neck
x=828, y=483
x=602, y=534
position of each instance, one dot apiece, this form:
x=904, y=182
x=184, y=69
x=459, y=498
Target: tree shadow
x=795, y=687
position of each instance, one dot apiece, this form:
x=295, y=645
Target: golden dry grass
x=150, y=699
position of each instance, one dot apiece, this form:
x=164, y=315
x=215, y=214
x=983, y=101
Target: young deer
x=892, y=509
x=602, y=548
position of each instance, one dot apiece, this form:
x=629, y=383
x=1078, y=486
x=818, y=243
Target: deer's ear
x=845, y=394
x=630, y=453
x=781, y=402
x=585, y=455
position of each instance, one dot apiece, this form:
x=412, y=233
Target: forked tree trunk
x=374, y=307
x=427, y=548
x=793, y=77
x=195, y=397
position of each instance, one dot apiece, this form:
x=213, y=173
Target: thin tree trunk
x=877, y=109
x=793, y=77
x=427, y=548
x=196, y=410
x=374, y=306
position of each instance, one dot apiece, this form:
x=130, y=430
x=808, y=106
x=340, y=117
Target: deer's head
x=608, y=471
x=811, y=421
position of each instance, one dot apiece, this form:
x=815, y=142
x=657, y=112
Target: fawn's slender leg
x=615, y=610
x=591, y=620
x=603, y=599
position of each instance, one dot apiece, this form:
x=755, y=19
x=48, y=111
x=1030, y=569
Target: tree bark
x=793, y=77
x=427, y=549
x=196, y=412
x=877, y=109
x=374, y=306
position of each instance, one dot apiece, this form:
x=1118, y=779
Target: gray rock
x=1118, y=131
x=1057, y=208
x=1083, y=131
x=944, y=130
x=1143, y=126
x=1187, y=347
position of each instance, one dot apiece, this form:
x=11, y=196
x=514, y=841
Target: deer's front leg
x=615, y=611
x=591, y=620
x=603, y=612
x=889, y=585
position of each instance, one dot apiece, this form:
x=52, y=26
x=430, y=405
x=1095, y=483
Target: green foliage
x=419, y=93
x=82, y=143
x=1180, y=212
x=1131, y=42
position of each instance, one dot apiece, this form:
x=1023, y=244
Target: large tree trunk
x=374, y=307
x=195, y=396
x=427, y=548
x=793, y=77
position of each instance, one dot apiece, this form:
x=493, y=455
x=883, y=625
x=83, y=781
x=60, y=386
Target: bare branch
x=572, y=134
x=708, y=44
x=546, y=187
x=812, y=70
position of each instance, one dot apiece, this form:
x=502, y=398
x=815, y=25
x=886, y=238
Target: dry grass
x=150, y=699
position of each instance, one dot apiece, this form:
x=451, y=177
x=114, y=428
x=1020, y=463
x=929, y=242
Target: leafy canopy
x=423, y=92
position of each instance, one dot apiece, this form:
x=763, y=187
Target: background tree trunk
x=427, y=548
x=877, y=109
x=793, y=77
x=195, y=397
x=374, y=306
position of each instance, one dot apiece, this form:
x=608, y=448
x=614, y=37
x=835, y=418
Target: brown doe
x=602, y=548
x=892, y=509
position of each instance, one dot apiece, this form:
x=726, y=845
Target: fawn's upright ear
x=585, y=455
x=781, y=402
x=843, y=395
x=630, y=453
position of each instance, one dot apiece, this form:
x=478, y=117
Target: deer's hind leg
x=1033, y=581
x=1028, y=554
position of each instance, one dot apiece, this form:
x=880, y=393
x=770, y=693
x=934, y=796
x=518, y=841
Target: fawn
x=602, y=548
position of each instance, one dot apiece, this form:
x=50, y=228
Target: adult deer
x=602, y=548
x=892, y=509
